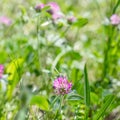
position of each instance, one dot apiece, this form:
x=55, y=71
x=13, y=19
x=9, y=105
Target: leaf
x=74, y=55
x=86, y=88
x=74, y=97
x=107, y=102
x=13, y=68
x=94, y=98
x=4, y=56
x=81, y=22
x=40, y=101
x=14, y=72
x=23, y=10
x=46, y=8
x=55, y=102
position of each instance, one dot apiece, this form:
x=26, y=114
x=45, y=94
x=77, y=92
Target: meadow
x=60, y=60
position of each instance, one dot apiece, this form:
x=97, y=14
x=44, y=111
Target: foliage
x=79, y=42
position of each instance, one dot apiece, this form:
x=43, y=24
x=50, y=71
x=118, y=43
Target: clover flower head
x=115, y=19
x=5, y=20
x=62, y=86
x=39, y=7
x=53, y=7
x=1, y=70
x=71, y=19
x=54, y=10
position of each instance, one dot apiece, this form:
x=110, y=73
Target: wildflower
x=1, y=70
x=115, y=19
x=53, y=7
x=54, y=10
x=39, y=7
x=71, y=19
x=62, y=86
x=5, y=20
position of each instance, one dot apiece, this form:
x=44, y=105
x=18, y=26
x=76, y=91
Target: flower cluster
x=115, y=19
x=62, y=86
x=5, y=20
x=1, y=70
x=54, y=9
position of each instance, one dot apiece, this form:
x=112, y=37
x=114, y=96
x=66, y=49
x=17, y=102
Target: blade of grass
x=86, y=88
x=116, y=6
x=86, y=93
x=108, y=101
x=59, y=56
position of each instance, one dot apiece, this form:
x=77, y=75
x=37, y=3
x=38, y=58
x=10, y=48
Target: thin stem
x=60, y=107
x=38, y=43
x=54, y=101
x=61, y=102
x=86, y=113
x=106, y=55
